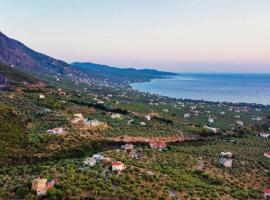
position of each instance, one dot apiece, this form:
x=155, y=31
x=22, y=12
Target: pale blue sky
x=177, y=35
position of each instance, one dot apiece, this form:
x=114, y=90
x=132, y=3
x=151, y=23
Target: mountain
x=15, y=53
x=19, y=56
x=13, y=75
x=119, y=75
x=93, y=67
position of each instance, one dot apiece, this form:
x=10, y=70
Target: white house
x=211, y=120
x=98, y=157
x=240, y=123
x=41, y=96
x=56, y=131
x=264, y=135
x=41, y=186
x=225, y=159
x=186, y=116
x=116, y=116
x=78, y=117
x=93, y=122
x=142, y=123
x=193, y=107
x=100, y=102
x=214, y=130
x=148, y=117
x=90, y=161
x=118, y=166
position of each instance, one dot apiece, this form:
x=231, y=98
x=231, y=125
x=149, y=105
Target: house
x=211, y=120
x=266, y=193
x=214, y=130
x=118, y=166
x=98, y=157
x=100, y=102
x=128, y=148
x=225, y=159
x=147, y=117
x=78, y=117
x=135, y=155
x=90, y=161
x=130, y=121
x=259, y=118
x=142, y=123
x=158, y=143
x=41, y=186
x=92, y=123
x=264, y=135
x=186, y=116
x=267, y=154
x=193, y=107
x=116, y=116
x=41, y=96
x=56, y=131
x=240, y=123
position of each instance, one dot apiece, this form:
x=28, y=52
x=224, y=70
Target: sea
x=236, y=88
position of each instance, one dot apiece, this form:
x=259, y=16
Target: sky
x=172, y=35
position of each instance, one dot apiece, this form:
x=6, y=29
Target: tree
x=55, y=193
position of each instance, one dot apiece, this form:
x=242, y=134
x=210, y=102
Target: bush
x=55, y=193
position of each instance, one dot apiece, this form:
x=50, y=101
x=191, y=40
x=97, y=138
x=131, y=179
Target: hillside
x=15, y=53
x=119, y=75
x=54, y=130
x=16, y=76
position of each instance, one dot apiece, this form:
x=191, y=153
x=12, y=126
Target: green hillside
x=16, y=76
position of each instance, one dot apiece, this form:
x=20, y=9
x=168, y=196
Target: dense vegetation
x=188, y=169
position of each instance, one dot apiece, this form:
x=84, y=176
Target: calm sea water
x=249, y=88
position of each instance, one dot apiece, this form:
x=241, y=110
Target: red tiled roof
x=266, y=190
x=117, y=163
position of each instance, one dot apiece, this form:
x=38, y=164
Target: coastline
x=131, y=85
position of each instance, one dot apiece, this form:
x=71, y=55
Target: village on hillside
x=114, y=142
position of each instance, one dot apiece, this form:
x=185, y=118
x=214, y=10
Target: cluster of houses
x=41, y=185
x=117, y=166
x=91, y=161
x=225, y=159
x=81, y=121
